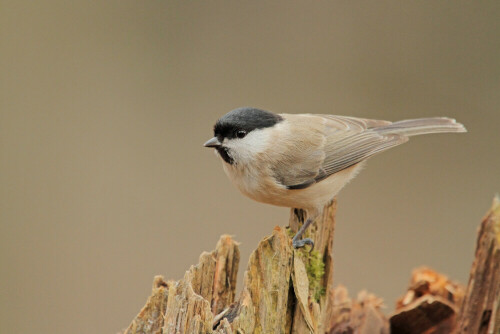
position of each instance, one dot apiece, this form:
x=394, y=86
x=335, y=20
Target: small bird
x=303, y=160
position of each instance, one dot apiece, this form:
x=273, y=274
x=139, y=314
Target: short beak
x=214, y=142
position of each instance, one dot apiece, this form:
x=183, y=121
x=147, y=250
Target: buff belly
x=261, y=187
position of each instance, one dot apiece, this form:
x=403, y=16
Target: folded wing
x=343, y=142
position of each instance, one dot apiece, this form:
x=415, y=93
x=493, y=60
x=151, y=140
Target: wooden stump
x=429, y=306
x=291, y=291
x=480, y=311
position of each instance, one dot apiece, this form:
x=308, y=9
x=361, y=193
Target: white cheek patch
x=245, y=149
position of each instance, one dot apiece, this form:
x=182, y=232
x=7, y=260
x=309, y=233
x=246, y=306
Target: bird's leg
x=307, y=241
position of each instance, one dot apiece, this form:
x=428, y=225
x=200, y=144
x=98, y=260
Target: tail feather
x=413, y=127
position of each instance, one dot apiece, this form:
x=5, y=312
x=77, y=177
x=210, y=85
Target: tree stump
x=480, y=311
x=430, y=305
x=291, y=291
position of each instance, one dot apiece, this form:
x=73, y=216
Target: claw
x=306, y=241
x=301, y=243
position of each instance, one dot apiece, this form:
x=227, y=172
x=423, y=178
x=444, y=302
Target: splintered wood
x=362, y=315
x=285, y=291
x=291, y=291
x=481, y=308
x=429, y=306
x=188, y=305
x=434, y=304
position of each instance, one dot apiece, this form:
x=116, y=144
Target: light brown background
x=105, y=106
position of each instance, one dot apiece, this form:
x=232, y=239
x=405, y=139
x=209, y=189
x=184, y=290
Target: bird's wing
x=345, y=123
x=345, y=141
x=298, y=162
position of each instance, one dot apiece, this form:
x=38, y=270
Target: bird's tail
x=421, y=126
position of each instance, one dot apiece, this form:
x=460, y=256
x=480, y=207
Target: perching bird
x=302, y=161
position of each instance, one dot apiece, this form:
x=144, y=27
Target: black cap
x=244, y=119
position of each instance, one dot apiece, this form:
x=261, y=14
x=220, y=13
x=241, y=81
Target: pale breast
x=253, y=181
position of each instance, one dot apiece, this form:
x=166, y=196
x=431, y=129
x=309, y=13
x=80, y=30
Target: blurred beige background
x=105, y=105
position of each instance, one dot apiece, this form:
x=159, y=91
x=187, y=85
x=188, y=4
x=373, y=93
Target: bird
x=302, y=161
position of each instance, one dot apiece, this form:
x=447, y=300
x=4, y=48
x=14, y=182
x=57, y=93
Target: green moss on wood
x=315, y=268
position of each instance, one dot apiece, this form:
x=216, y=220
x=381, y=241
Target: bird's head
x=242, y=133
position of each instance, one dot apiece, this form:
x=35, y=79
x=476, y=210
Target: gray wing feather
x=352, y=123
x=354, y=149
x=421, y=126
x=349, y=141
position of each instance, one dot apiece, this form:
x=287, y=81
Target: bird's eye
x=241, y=133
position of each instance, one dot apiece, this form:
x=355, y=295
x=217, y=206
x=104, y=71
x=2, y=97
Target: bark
x=361, y=316
x=285, y=290
x=188, y=305
x=429, y=306
x=291, y=291
x=480, y=312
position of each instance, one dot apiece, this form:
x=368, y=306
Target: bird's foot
x=301, y=243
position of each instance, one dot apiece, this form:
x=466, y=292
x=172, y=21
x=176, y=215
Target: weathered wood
x=429, y=306
x=291, y=291
x=285, y=290
x=150, y=318
x=319, y=269
x=361, y=316
x=424, y=315
x=186, y=306
x=426, y=281
x=480, y=311
x=263, y=303
x=214, y=278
